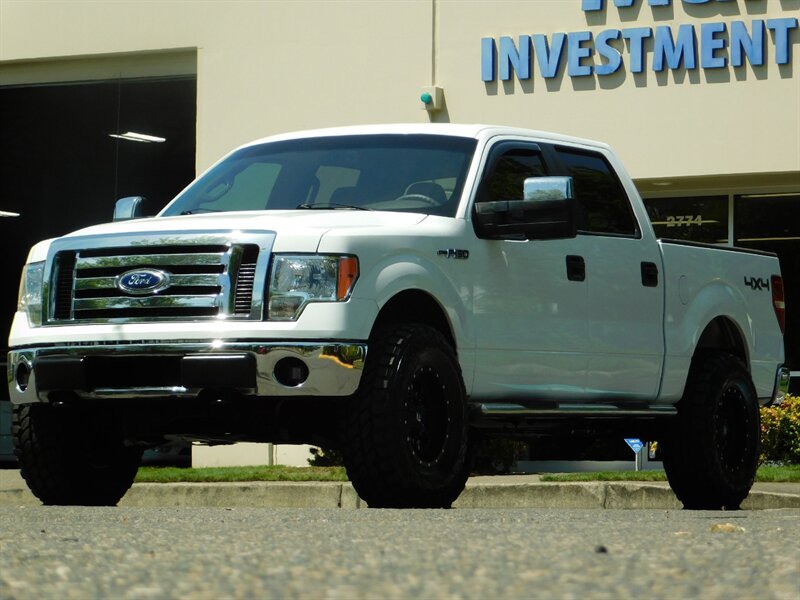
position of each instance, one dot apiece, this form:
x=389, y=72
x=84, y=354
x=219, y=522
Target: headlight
x=30, y=292
x=297, y=280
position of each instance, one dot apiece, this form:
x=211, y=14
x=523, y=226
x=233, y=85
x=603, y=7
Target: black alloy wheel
x=711, y=454
x=69, y=456
x=404, y=435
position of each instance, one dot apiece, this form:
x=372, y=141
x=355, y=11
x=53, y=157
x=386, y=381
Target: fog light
x=22, y=376
x=291, y=372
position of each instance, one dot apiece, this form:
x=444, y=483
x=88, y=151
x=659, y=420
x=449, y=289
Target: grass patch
x=784, y=474
x=233, y=474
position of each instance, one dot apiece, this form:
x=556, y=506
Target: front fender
x=446, y=285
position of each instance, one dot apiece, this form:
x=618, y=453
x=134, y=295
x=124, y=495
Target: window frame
x=564, y=170
x=496, y=153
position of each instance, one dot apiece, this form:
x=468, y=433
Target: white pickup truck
x=397, y=292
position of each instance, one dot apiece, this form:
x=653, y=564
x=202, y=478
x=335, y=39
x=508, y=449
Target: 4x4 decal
x=756, y=283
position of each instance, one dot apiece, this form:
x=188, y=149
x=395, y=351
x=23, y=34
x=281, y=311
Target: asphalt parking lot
x=137, y=553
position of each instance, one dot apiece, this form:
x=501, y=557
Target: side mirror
x=546, y=212
x=548, y=188
x=132, y=207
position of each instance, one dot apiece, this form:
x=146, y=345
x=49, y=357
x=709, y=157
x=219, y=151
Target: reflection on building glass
x=771, y=222
x=703, y=219
x=767, y=217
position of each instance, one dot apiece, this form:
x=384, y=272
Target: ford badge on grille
x=143, y=281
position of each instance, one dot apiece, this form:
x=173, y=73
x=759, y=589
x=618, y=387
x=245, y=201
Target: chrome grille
x=203, y=281
x=65, y=273
x=245, y=280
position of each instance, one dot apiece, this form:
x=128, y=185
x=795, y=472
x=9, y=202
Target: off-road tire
x=72, y=457
x=404, y=434
x=711, y=454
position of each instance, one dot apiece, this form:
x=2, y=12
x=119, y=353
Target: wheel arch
x=722, y=333
x=418, y=306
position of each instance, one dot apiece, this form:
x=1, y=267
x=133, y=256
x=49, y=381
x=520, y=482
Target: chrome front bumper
x=156, y=369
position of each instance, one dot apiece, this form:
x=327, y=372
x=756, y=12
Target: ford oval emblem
x=143, y=281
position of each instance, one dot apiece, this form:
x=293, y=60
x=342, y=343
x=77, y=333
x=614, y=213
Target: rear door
x=625, y=341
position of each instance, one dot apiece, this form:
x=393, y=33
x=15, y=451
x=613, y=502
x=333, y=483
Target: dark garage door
x=61, y=169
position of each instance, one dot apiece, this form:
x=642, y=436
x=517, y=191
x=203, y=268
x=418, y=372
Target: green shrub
x=325, y=457
x=780, y=432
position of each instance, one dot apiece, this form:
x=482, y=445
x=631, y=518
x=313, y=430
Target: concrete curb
x=619, y=496
x=602, y=495
x=246, y=494
x=568, y=495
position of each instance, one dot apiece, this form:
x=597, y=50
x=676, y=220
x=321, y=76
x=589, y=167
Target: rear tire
x=72, y=457
x=711, y=454
x=404, y=436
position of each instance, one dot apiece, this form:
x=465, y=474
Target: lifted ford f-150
x=397, y=292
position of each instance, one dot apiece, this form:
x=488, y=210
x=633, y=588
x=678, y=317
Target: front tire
x=405, y=432
x=711, y=455
x=72, y=457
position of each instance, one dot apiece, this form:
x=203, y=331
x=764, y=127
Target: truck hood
x=299, y=227
x=297, y=230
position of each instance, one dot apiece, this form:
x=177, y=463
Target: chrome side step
x=573, y=410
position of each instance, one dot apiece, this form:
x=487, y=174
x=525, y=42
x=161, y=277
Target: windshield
x=403, y=173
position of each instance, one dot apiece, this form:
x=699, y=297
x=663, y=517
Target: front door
x=530, y=301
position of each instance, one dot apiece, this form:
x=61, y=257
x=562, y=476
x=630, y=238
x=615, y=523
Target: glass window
x=763, y=218
x=376, y=172
x=603, y=205
x=509, y=173
x=246, y=190
x=771, y=222
x=698, y=219
x=334, y=183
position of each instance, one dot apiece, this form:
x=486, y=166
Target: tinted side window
x=508, y=173
x=603, y=205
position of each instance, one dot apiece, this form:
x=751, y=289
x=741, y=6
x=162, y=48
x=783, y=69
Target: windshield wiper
x=331, y=206
x=195, y=211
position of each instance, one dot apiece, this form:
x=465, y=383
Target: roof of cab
x=476, y=131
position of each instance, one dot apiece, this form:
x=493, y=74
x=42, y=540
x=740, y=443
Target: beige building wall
x=269, y=66
x=670, y=124
x=262, y=66
x=250, y=454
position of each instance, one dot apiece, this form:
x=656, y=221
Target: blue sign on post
x=635, y=444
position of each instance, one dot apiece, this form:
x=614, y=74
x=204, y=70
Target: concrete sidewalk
x=505, y=491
